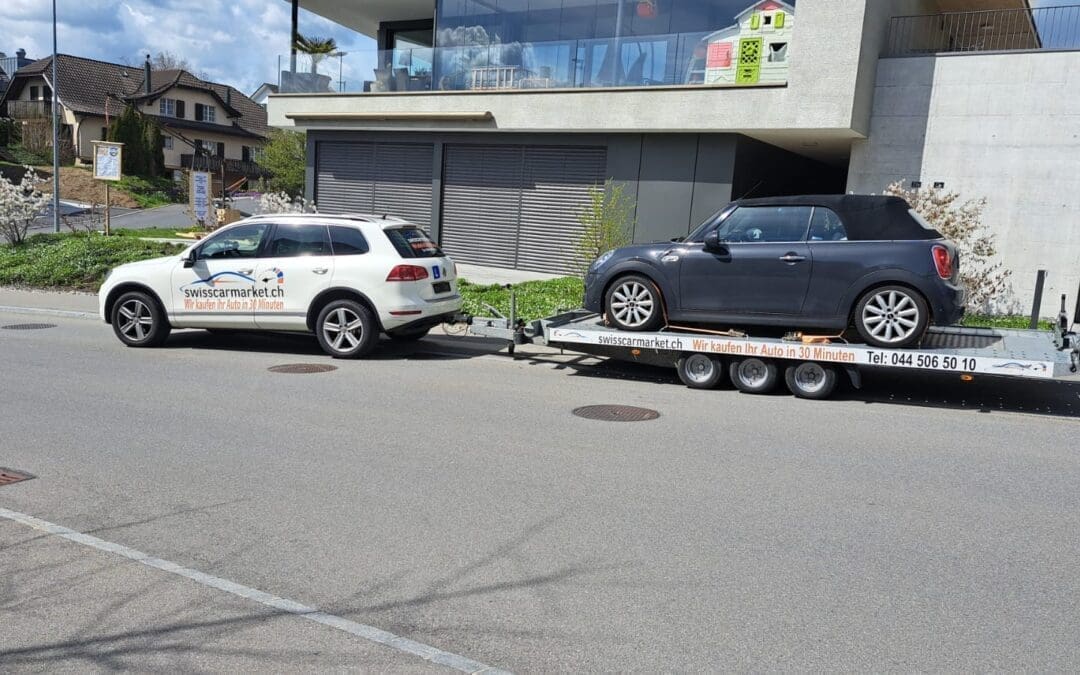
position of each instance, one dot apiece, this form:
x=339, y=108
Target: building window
x=46, y=93
x=167, y=107
x=205, y=113
x=33, y=93
x=104, y=133
x=245, y=153
x=778, y=52
x=166, y=142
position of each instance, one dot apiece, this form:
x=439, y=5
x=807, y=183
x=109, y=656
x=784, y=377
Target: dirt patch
x=78, y=185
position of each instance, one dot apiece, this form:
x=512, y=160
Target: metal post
x=55, y=130
x=108, y=208
x=1040, y=279
x=1076, y=312
x=295, y=34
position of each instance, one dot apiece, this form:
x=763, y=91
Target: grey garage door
x=517, y=206
x=375, y=178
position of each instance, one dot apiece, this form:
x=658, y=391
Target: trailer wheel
x=811, y=380
x=699, y=371
x=754, y=376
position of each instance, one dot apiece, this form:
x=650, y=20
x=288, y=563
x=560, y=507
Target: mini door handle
x=320, y=270
x=792, y=258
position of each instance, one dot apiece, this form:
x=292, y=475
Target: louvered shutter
x=403, y=182
x=482, y=203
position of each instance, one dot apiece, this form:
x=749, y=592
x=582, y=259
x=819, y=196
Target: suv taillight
x=943, y=261
x=407, y=273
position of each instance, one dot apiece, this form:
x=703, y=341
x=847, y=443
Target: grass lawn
x=148, y=193
x=1002, y=321
x=72, y=261
x=535, y=299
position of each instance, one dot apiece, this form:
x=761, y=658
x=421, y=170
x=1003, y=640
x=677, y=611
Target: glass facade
x=495, y=44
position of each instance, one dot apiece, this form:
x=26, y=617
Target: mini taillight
x=943, y=262
x=407, y=273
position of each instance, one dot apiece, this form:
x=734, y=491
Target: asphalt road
x=448, y=496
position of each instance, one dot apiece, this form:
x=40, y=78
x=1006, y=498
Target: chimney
x=20, y=53
x=228, y=96
x=146, y=73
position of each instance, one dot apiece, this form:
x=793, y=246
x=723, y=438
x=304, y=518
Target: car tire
x=139, y=321
x=892, y=317
x=753, y=376
x=346, y=329
x=700, y=371
x=811, y=380
x=409, y=335
x=633, y=303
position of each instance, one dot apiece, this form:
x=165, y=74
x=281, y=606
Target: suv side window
x=826, y=226
x=348, y=240
x=293, y=241
x=766, y=224
x=242, y=241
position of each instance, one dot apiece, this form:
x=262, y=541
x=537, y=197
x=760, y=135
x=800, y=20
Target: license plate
x=441, y=287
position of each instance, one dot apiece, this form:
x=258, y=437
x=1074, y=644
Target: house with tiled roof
x=210, y=125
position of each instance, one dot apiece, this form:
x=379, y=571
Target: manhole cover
x=302, y=368
x=8, y=476
x=28, y=326
x=616, y=413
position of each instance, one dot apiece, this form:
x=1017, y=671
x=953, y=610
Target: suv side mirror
x=713, y=243
x=189, y=258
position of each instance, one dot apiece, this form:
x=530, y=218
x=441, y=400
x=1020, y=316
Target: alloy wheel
x=343, y=329
x=891, y=316
x=633, y=304
x=138, y=320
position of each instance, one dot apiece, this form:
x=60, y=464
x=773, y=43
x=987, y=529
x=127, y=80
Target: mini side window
x=348, y=240
x=826, y=226
x=766, y=224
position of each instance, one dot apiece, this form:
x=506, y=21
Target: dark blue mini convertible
x=814, y=263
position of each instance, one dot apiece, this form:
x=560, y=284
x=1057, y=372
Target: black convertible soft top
x=865, y=217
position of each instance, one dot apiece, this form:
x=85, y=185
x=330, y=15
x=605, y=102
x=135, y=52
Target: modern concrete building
x=489, y=121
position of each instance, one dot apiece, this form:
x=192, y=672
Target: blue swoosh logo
x=210, y=279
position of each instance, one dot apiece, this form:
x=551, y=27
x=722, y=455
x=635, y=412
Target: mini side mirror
x=713, y=243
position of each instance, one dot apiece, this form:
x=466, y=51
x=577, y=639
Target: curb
x=69, y=314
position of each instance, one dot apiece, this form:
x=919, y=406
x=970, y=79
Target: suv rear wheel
x=892, y=316
x=346, y=329
x=633, y=303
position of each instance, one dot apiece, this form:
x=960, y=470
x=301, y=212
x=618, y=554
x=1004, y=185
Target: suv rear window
x=412, y=242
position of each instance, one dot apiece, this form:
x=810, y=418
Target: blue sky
x=235, y=42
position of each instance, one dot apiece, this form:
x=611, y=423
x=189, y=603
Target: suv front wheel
x=346, y=329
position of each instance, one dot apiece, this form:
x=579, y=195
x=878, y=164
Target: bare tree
x=169, y=61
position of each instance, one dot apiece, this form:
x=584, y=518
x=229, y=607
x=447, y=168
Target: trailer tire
x=754, y=376
x=700, y=371
x=811, y=380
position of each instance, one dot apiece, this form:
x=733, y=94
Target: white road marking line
x=360, y=630
x=70, y=314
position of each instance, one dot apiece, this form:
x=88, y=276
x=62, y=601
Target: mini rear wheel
x=891, y=316
x=754, y=376
x=346, y=329
x=811, y=380
x=138, y=320
x=700, y=371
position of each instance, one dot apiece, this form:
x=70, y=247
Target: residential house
x=210, y=125
x=262, y=94
x=8, y=66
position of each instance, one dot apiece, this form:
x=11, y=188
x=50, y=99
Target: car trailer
x=810, y=365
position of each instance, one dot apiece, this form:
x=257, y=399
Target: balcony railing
x=29, y=109
x=1044, y=28
x=683, y=59
x=232, y=166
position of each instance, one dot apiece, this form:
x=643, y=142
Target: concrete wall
x=1005, y=127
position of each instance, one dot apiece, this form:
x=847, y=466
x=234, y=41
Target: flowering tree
x=19, y=204
x=986, y=279
x=280, y=202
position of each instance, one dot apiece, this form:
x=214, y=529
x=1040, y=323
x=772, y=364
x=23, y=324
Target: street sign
x=200, y=195
x=108, y=159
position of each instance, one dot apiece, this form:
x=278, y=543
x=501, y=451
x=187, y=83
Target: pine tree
x=154, y=150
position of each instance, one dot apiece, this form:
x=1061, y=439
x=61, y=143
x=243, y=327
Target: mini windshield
x=699, y=233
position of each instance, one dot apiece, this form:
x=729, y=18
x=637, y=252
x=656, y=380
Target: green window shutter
x=755, y=21
x=779, y=20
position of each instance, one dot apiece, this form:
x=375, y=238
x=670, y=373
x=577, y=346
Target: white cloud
x=237, y=42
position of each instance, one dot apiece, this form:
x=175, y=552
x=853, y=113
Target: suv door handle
x=246, y=273
x=320, y=270
x=792, y=258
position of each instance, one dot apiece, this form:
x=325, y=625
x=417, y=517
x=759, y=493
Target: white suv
x=345, y=278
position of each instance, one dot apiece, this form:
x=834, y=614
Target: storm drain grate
x=302, y=368
x=28, y=326
x=9, y=476
x=616, y=413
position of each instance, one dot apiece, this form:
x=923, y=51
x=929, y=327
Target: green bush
x=535, y=299
x=73, y=261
